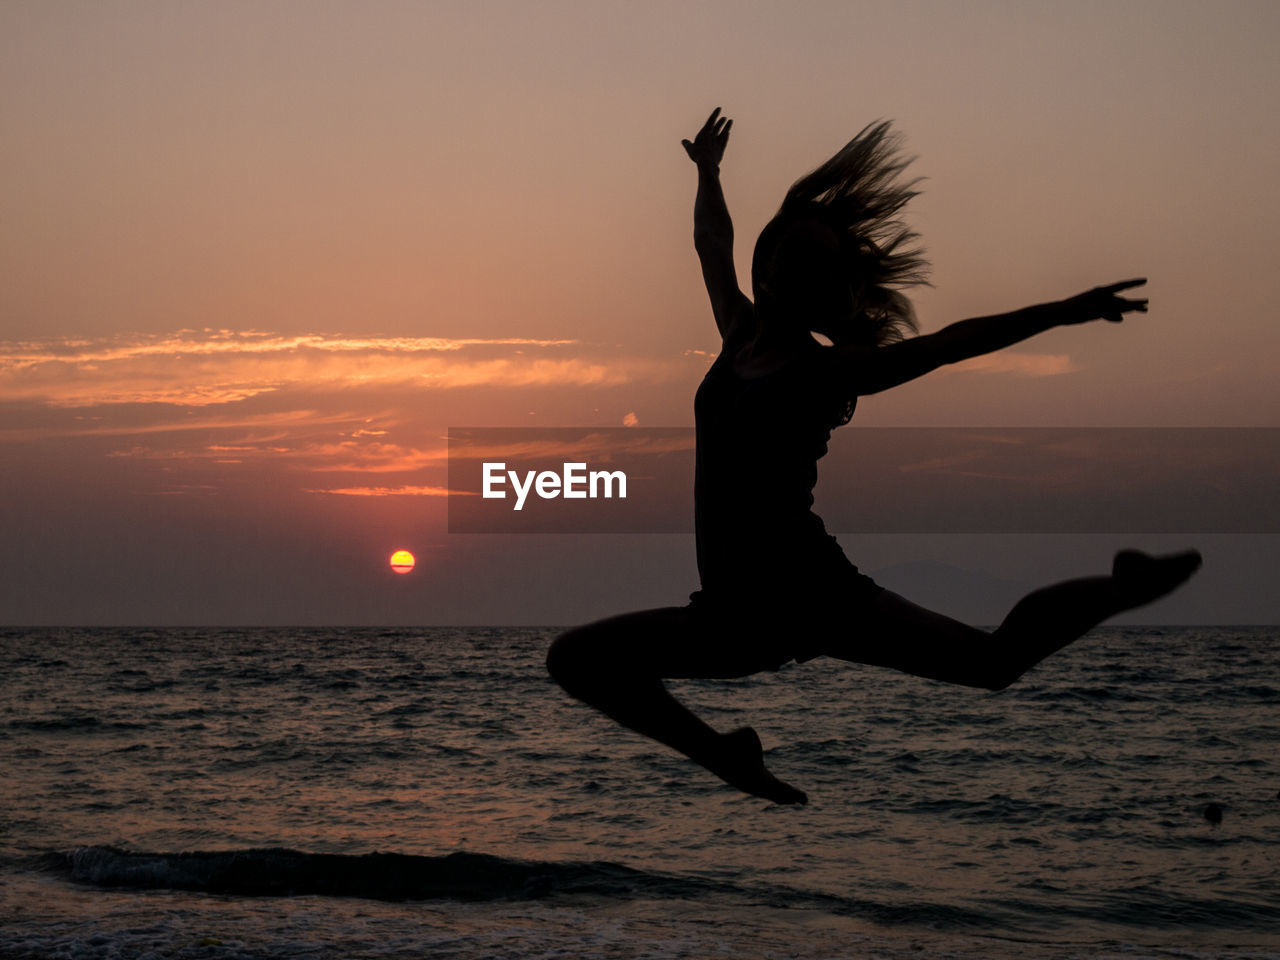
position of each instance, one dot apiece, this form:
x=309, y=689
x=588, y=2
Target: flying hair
x=859, y=194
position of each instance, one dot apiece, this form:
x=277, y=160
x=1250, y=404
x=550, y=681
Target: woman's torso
x=761, y=429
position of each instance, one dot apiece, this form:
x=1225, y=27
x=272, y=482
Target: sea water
x=431, y=793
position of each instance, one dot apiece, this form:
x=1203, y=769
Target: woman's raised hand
x=1102, y=303
x=707, y=148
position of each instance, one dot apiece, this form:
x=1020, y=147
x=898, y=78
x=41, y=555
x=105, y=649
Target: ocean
x=430, y=793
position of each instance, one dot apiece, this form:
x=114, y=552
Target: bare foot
x=740, y=763
x=1144, y=578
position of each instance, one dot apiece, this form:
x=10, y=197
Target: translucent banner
x=882, y=480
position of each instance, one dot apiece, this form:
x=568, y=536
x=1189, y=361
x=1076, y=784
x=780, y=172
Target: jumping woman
x=775, y=586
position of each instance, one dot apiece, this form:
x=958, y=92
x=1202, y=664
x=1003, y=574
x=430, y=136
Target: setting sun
x=402, y=561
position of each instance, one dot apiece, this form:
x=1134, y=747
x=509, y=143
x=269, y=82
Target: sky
x=256, y=259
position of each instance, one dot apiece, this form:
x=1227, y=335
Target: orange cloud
x=599, y=447
x=347, y=410
x=289, y=419
x=1019, y=364
x=404, y=491
x=208, y=341
x=209, y=367
x=319, y=456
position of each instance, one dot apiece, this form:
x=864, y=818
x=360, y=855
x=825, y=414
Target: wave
x=462, y=876
x=378, y=876
x=457, y=876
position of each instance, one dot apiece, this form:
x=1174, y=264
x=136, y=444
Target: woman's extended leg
x=910, y=638
x=618, y=665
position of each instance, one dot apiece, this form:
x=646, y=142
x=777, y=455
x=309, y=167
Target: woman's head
x=834, y=255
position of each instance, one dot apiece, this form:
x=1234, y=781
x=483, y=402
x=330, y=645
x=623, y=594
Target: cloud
x=499, y=443
x=1019, y=364
x=342, y=455
x=355, y=417
x=402, y=491
x=208, y=341
x=210, y=367
x=293, y=419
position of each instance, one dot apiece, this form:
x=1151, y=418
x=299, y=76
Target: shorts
x=787, y=619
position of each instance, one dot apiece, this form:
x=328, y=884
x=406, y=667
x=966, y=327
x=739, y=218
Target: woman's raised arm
x=872, y=369
x=712, y=226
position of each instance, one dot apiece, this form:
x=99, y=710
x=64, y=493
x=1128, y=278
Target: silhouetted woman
x=775, y=586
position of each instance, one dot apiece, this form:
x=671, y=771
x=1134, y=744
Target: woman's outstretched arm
x=872, y=369
x=712, y=226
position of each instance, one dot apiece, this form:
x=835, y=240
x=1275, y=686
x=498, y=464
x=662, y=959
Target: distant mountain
x=976, y=598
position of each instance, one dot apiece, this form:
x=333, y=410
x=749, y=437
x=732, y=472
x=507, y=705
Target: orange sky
x=254, y=252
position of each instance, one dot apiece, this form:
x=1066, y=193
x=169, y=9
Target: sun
x=402, y=561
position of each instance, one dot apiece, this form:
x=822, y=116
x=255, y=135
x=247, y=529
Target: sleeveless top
x=759, y=440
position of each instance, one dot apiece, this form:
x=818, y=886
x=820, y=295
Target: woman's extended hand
x=1102, y=303
x=707, y=148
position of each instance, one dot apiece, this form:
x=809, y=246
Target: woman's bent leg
x=617, y=666
x=910, y=638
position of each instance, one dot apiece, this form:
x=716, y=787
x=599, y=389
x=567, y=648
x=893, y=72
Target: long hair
x=858, y=194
